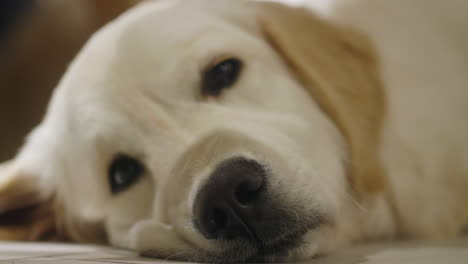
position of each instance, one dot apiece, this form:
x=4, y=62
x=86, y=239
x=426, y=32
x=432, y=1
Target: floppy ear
x=25, y=213
x=338, y=68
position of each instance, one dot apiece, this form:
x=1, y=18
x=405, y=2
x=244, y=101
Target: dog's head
x=205, y=130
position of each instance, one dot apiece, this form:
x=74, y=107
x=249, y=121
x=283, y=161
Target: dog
x=236, y=131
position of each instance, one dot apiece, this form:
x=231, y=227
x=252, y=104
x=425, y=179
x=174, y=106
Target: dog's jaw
x=127, y=108
x=311, y=213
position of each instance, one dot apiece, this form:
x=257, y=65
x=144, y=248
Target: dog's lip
x=257, y=250
x=288, y=242
x=250, y=250
x=265, y=251
x=242, y=251
x=283, y=245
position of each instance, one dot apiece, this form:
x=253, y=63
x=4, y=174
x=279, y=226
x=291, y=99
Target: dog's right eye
x=220, y=76
x=124, y=171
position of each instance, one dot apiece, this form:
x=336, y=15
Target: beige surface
x=441, y=252
x=448, y=252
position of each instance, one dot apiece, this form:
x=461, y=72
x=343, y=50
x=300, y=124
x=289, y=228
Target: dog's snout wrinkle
x=227, y=206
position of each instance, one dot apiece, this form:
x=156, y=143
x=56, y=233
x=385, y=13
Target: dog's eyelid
x=218, y=59
x=222, y=73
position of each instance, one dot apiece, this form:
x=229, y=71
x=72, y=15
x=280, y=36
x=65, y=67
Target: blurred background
x=38, y=39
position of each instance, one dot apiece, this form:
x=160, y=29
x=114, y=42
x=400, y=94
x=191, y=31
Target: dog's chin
x=239, y=251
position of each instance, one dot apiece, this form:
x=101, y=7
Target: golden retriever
x=233, y=131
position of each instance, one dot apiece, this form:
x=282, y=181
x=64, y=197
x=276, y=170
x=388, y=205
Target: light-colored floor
x=447, y=252
x=441, y=252
x=38, y=253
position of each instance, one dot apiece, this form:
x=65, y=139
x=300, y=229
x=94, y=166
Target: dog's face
x=187, y=130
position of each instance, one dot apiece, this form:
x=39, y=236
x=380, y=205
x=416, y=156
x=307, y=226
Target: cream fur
x=134, y=89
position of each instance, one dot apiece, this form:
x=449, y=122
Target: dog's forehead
x=143, y=44
x=139, y=52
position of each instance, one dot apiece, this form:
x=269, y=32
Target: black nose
x=229, y=205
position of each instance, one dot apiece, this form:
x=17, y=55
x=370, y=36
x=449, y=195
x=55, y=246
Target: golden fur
x=339, y=68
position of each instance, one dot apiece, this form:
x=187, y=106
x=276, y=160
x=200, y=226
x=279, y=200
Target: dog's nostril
x=247, y=192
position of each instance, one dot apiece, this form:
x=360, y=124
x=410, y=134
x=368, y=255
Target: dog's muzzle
x=236, y=206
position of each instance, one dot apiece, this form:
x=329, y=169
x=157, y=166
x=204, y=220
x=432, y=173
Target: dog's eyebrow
x=156, y=99
x=147, y=108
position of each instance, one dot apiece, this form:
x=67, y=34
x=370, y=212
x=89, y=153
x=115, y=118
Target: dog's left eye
x=221, y=76
x=124, y=171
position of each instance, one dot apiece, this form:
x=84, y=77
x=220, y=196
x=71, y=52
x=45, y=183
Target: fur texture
x=360, y=123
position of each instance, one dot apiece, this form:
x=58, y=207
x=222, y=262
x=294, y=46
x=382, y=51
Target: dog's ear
x=25, y=212
x=338, y=68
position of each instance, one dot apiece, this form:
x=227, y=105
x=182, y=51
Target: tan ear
x=25, y=214
x=338, y=67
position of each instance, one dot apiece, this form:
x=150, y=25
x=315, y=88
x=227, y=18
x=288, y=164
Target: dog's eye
x=221, y=76
x=124, y=171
